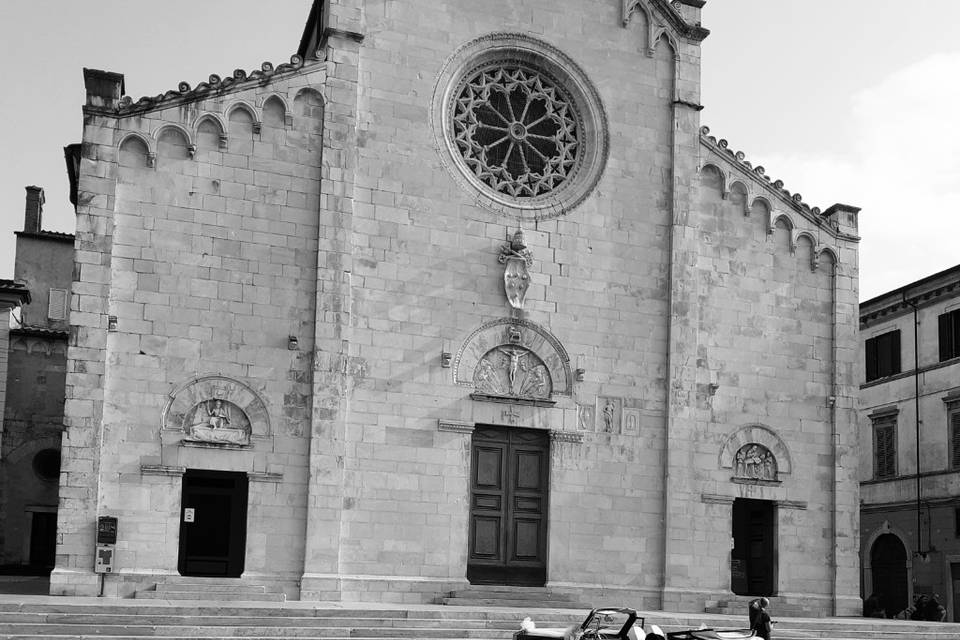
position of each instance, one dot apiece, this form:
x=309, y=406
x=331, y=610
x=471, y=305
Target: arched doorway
x=888, y=559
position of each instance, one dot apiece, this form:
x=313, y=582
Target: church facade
x=460, y=294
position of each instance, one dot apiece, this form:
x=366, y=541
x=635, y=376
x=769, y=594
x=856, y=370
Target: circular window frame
x=529, y=53
x=42, y=462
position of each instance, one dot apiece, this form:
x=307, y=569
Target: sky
x=849, y=101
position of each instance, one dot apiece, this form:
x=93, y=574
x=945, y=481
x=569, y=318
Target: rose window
x=516, y=131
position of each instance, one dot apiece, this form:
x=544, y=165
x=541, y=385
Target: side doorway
x=754, y=561
x=888, y=562
x=213, y=524
x=509, y=478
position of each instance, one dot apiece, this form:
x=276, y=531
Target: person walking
x=759, y=618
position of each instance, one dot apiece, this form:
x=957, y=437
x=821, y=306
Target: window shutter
x=955, y=439
x=895, y=352
x=57, y=307
x=871, y=363
x=946, y=337
x=885, y=453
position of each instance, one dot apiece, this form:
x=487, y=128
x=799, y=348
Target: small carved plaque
x=631, y=422
x=585, y=417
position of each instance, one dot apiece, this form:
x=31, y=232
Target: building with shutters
x=910, y=422
x=36, y=354
x=459, y=294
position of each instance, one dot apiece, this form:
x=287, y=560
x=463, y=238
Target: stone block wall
x=209, y=269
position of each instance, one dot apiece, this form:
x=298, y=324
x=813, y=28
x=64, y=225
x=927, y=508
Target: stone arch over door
x=888, y=568
x=756, y=434
x=522, y=334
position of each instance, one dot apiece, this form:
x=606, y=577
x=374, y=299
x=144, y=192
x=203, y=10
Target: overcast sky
x=850, y=101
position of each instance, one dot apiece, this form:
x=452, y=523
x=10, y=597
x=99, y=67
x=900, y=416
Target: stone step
x=211, y=596
x=202, y=586
x=216, y=589
x=46, y=636
x=142, y=631
x=512, y=603
x=513, y=597
x=135, y=620
x=239, y=621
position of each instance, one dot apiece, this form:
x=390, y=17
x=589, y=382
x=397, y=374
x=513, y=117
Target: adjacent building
x=36, y=355
x=460, y=294
x=910, y=437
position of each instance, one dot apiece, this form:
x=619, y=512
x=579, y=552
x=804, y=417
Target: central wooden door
x=508, y=506
x=213, y=524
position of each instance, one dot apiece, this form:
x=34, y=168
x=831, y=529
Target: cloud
x=901, y=166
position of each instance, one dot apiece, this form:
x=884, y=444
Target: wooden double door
x=509, y=479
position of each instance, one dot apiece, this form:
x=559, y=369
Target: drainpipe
x=916, y=408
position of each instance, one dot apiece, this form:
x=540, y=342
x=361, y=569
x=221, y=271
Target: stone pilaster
x=684, y=325
x=846, y=519
x=86, y=358
x=333, y=368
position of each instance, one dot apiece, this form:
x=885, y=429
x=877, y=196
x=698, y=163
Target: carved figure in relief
x=755, y=462
x=218, y=415
x=214, y=421
x=516, y=363
x=608, y=410
x=508, y=370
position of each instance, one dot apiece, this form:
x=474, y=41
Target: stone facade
x=910, y=527
x=326, y=247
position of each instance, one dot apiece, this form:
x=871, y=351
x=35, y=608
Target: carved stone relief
x=512, y=370
x=217, y=421
x=511, y=357
x=608, y=409
x=585, y=417
x=216, y=410
x=755, y=462
x=631, y=422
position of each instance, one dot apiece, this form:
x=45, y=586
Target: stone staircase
x=737, y=606
x=58, y=618
x=516, y=597
x=210, y=589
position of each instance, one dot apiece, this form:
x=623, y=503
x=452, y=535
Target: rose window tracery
x=516, y=130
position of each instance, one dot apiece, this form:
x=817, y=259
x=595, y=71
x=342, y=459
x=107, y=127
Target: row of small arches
x=241, y=120
x=775, y=219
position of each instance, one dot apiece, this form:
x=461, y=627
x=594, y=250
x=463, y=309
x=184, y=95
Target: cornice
x=58, y=236
x=737, y=159
x=40, y=332
x=669, y=14
x=922, y=293
x=214, y=86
